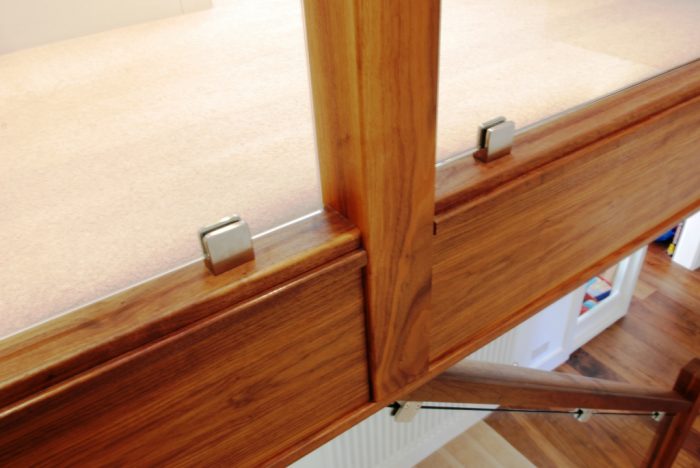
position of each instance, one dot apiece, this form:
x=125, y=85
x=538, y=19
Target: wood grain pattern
x=234, y=389
x=481, y=447
x=163, y=345
x=374, y=81
x=505, y=254
x=645, y=231
x=463, y=179
x=675, y=431
x=53, y=351
x=478, y=382
x=647, y=347
x=560, y=441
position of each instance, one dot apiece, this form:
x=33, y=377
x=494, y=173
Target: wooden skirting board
x=268, y=361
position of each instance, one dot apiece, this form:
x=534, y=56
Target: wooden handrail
x=478, y=382
x=673, y=432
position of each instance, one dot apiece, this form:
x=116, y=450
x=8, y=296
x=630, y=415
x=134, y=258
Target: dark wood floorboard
x=660, y=334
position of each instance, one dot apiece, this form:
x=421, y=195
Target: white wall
x=544, y=340
x=687, y=251
x=28, y=23
x=593, y=322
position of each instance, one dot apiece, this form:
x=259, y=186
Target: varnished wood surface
x=464, y=179
x=649, y=346
x=374, y=82
x=232, y=390
x=502, y=256
x=72, y=343
x=561, y=441
x=478, y=382
x=78, y=354
x=675, y=431
x=480, y=447
x=681, y=125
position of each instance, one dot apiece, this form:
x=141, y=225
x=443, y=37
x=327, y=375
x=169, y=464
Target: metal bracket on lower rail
x=226, y=244
x=583, y=414
x=405, y=411
x=494, y=139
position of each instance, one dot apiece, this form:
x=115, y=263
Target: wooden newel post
x=374, y=67
x=673, y=432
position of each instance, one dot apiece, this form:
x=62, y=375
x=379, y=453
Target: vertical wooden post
x=374, y=82
x=674, y=431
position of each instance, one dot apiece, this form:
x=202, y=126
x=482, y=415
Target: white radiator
x=379, y=441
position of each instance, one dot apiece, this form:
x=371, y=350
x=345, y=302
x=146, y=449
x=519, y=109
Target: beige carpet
x=531, y=59
x=115, y=148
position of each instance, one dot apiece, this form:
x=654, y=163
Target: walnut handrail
x=477, y=382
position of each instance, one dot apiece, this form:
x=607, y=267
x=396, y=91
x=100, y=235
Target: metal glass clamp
x=405, y=411
x=226, y=244
x=494, y=139
x=583, y=414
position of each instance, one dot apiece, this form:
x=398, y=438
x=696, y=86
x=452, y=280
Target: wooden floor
x=480, y=446
x=660, y=333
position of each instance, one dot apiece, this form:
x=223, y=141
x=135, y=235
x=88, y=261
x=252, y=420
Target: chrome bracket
x=494, y=139
x=583, y=414
x=658, y=415
x=226, y=244
x=406, y=411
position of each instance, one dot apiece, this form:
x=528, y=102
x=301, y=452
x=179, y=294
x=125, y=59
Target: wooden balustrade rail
x=477, y=382
x=674, y=431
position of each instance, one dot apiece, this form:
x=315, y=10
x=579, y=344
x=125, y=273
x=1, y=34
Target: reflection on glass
x=530, y=60
x=125, y=127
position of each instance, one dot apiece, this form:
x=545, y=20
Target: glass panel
x=530, y=60
x=126, y=125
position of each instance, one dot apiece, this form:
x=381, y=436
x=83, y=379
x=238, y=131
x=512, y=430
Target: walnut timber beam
x=374, y=80
x=489, y=383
